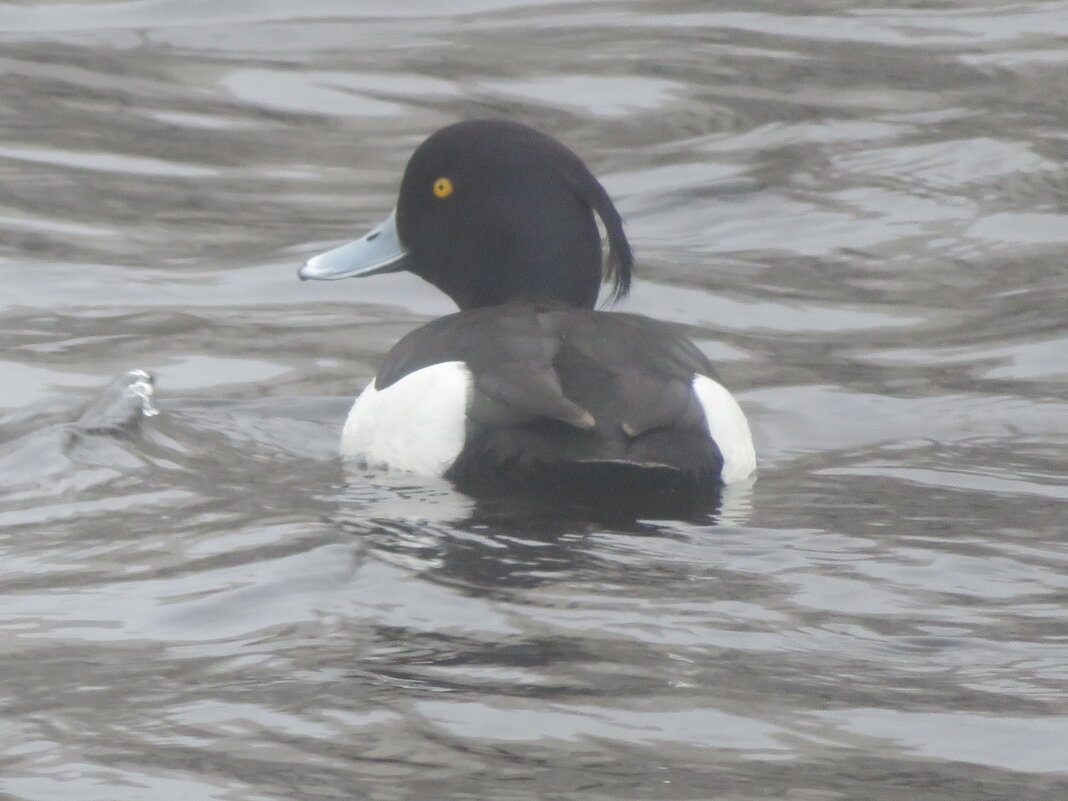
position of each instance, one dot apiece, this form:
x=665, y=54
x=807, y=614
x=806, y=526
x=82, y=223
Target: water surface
x=860, y=213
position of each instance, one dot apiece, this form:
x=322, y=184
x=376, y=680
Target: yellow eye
x=442, y=188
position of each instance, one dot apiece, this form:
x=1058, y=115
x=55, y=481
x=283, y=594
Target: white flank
x=416, y=424
x=728, y=428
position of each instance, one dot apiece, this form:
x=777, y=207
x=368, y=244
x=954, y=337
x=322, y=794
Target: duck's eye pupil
x=442, y=188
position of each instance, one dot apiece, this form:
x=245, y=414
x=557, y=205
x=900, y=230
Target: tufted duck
x=528, y=386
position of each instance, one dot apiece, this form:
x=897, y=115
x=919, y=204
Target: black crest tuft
x=620, y=262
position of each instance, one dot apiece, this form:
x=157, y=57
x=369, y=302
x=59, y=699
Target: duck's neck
x=555, y=284
x=564, y=268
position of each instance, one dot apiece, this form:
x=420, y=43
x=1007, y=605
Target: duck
x=530, y=386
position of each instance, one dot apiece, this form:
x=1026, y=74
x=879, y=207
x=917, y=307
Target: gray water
x=861, y=213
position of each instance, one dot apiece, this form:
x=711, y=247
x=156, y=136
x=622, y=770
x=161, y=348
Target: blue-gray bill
x=380, y=251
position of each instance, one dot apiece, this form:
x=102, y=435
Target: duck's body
x=527, y=386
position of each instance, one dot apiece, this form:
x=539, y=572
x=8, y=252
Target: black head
x=492, y=212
